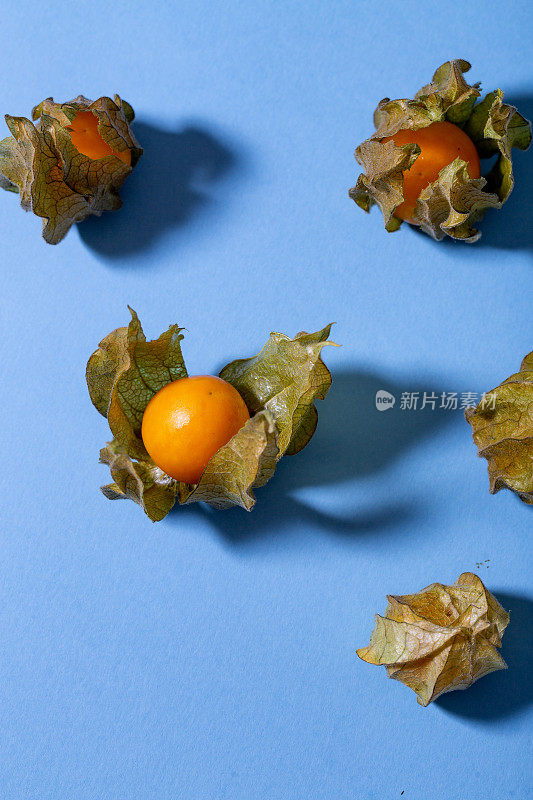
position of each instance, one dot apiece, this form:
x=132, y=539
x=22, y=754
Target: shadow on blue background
x=169, y=185
x=353, y=440
x=502, y=694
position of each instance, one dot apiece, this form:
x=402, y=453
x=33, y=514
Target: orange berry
x=440, y=144
x=188, y=420
x=86, y=138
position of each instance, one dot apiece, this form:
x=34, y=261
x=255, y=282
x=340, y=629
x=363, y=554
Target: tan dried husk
x=279, y=387
x=454, y=203
x=55, y=180
x=502, y=425
x=441, y=639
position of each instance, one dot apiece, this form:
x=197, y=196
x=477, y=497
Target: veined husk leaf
x=285, y=378
x=454, y=202
x=502, y=425
x=248, y=460
x=55, y=180
x=440, y=639
x=279, y=386
x=382, y=180
x=139, y=480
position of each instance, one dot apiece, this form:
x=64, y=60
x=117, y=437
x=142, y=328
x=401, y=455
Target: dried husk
x=441, y=639
x=54, y=180
x=502, y=425
x=454, y=203
x=279, y=387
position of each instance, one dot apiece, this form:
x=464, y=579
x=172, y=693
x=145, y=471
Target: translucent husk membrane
x=279, y=386
x=440, y=639
x=55, y=180
x=502, y=426
x=454, y=203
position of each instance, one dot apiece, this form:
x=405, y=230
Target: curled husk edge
x=454, y=203
x=279, y=386
x=502, y=426
x=55, y=180
x=441, y=639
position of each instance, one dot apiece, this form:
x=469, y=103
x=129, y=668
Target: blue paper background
x=213, y=655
